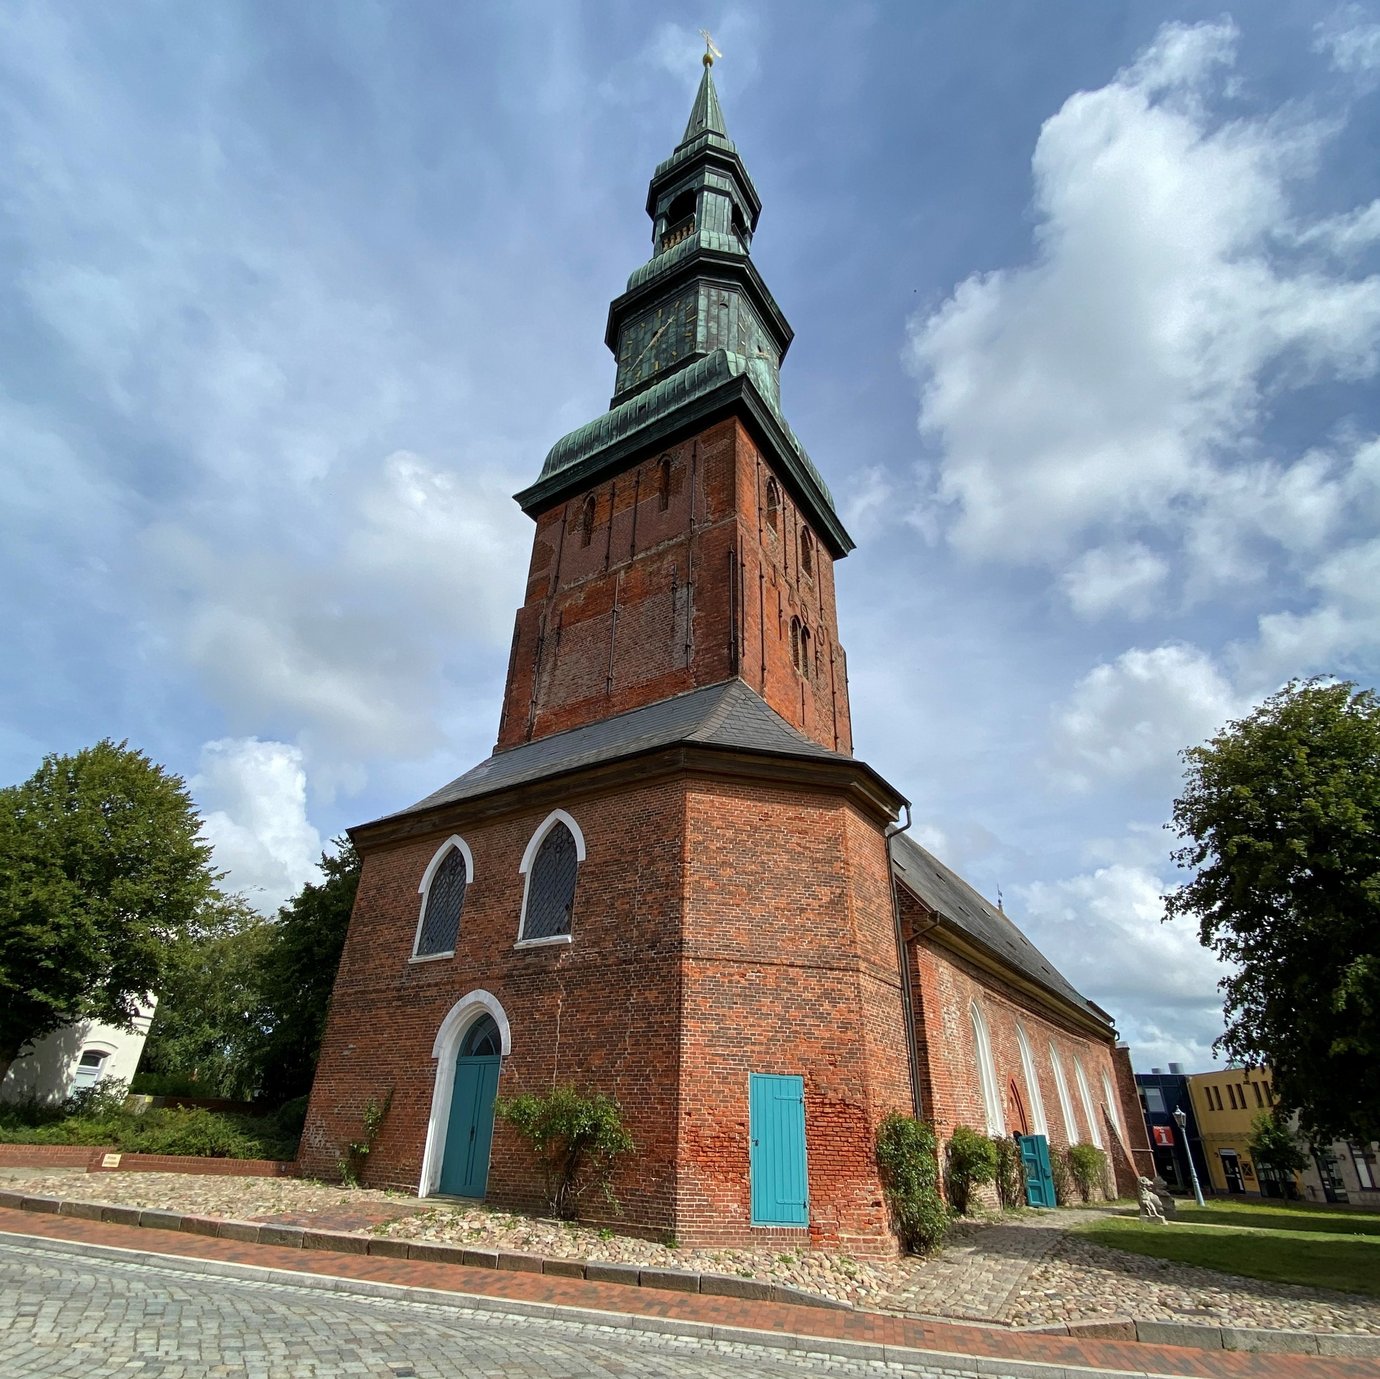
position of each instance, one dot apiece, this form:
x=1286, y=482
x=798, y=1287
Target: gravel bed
x=863, y=1282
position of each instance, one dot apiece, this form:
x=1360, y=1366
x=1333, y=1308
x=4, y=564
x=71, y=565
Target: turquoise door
x=1039, y=1176
x=776, y=1124
x=470, y=1129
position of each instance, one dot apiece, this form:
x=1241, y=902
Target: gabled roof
x=955, y=902
x=728, y=716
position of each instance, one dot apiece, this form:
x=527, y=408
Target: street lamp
x=1181, y=1120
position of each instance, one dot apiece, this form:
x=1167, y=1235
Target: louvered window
x=551, y=886
x=445, y=899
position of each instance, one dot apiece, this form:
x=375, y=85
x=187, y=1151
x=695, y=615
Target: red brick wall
x=659, y=601
x=790, y=968
x=944, y=986
x=599, y=1012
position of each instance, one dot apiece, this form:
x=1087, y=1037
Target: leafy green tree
x=296, y=972
x=102, y=870
x=1275, y=1148
x=1280, y=817
x=209, y=1025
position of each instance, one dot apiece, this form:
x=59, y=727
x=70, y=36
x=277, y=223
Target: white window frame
x=456, y=842
x=107, y=1053
x=987, y=1072
x=1065, y=1101
x=1032, y=1083
x=1085, y=1095
x=525, y=871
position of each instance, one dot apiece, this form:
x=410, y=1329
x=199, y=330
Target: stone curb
x=1253, y=1339
x=344, y=1242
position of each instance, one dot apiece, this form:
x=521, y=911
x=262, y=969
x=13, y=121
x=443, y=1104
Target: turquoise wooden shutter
x=776, y=1124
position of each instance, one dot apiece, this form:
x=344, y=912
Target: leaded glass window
x=483, y=1039
x=551, y=885
x=445, y=898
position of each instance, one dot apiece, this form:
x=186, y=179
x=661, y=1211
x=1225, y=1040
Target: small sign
x=110, y=1161
x=1164, y=1134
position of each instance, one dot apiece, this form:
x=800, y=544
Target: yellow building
x=1225, y=1103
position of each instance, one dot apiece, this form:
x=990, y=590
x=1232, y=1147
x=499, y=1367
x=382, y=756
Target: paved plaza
x=68, y=1315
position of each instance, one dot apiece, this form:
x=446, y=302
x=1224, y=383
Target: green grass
x=1283, y=1242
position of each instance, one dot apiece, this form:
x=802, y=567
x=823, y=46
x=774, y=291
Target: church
x=672, y=881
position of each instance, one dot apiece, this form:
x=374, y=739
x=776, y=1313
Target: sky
x=1087, y=308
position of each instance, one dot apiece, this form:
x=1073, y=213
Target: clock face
x=657, y=339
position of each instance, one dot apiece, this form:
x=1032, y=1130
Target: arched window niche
x=442, y=890
x=795, y=642
x=551, y=865
x=587, y=521
x=1032, y=1084
x=663, y=483
x=773, y=503
x=807, y=554
x=1085, y=1096
x=1065, y=1101
x=987, y=1073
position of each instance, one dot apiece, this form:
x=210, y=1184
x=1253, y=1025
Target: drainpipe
x=903, y=960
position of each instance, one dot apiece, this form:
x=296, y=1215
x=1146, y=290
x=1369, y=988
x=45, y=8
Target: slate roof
x=727, y=715
x=953, y=899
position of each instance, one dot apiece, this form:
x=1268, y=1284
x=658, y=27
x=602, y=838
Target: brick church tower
x=671, y=882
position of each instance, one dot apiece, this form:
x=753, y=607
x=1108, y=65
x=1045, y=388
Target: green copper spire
x=707, y=115
x=696, y=334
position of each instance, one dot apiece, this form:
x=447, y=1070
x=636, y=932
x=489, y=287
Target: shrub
x=1063, y=1179
x=1088, y=1168
x=972, y=1164
x=908, y=1159
x=358, y=1151
x=1010, y=1174
x=576, y=1137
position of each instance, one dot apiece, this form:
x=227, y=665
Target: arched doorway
x=470, y=1131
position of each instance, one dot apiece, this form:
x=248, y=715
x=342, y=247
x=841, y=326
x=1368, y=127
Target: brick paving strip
x=1029, y=1274
x=843, y=1334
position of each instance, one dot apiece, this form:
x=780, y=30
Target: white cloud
x=253, y=796
x=1103, y=931
x=1115, y=579
x=1349, y=40
x=1118, y=383
x=1130, y=718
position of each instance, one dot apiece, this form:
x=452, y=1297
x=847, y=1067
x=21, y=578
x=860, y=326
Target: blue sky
x=1087, y=312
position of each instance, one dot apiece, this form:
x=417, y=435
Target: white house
x=78, y=1056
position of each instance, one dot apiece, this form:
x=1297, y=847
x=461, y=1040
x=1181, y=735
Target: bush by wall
x=972, y=1163
x=908, y=1159
x=1088, y=1169
x=1063, y=1179
x=1010, y=1173
x=576, y=1137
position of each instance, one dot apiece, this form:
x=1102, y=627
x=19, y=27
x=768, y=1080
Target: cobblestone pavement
x=1033, y=1272
x=87, y=1318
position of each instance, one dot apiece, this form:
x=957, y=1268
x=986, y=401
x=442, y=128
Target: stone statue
x=1149, y=1202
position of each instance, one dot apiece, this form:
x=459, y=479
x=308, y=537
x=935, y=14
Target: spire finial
x=710, y=51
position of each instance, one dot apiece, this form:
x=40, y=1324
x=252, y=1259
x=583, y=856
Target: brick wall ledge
x=1257, y=1340
x=104, y=1158
x=301, y=1237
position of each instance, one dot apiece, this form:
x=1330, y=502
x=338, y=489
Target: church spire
x=707, y=115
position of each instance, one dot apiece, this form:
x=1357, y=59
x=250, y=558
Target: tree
x=297, y=973
x=209, y=1026
x=1280, y=815
x=1275, y=1148
x=102, y=869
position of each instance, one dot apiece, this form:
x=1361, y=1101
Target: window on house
x=807, y=555
x=1231, y=1095
x=551, y=864
x=1217, y=1096
x=663, y=483
x=443, y=898
x=587, y=521
x=773, y=503
x=987, y=1073
x=1154, y=1100
x=89, y=1068
x=1364, y=1159
x=795, y=642
x=1259, y=1098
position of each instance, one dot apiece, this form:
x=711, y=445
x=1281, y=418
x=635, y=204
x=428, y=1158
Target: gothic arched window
x=443, y=899
x=987, y=1073
x=773, y=503
x=551, y=864
x=587, y=521
x=804, y=650
x=663, y=483
x=807, y=554
x=795, y=642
